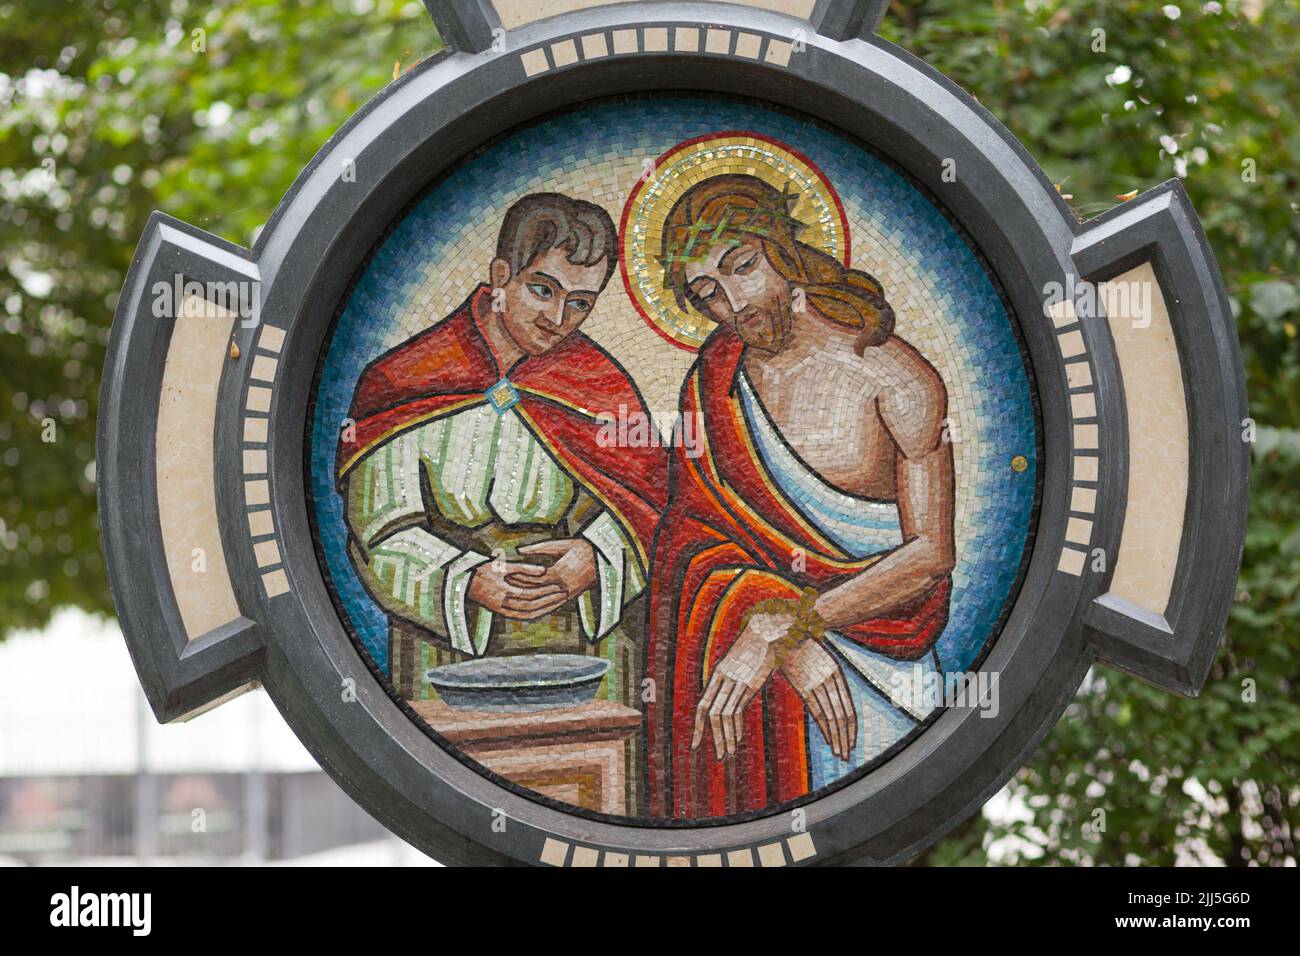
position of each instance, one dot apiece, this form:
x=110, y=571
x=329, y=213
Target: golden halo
x=680, y=168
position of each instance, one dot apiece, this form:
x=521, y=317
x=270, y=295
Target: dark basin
x=523, y=682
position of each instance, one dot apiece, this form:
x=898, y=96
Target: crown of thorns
x=691, y=243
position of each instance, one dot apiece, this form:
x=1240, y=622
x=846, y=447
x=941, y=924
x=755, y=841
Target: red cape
x=729, y=539
x=563, y=394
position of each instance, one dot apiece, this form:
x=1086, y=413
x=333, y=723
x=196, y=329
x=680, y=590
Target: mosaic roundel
x=674, y=459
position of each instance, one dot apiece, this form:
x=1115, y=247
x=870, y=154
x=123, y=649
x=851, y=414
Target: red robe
x=562, y=396
x=729, y=539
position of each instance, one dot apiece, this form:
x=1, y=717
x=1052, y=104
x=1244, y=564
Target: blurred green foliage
x=1111, y=97
x=112, y=108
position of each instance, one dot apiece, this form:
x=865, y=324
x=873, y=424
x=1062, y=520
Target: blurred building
x=87, y=775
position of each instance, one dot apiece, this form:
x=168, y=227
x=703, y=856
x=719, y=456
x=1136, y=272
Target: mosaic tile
x=515, y=449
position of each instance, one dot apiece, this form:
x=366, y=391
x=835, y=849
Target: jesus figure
x=802, y=567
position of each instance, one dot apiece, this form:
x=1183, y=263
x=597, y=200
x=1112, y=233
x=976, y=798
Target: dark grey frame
x=426, y=121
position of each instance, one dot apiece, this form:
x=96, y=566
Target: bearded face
x=735, y=285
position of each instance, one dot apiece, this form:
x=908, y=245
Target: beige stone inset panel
x=778, y=52
x=564, y=53
x=594, y=46
x=686, y=40
x=1063, y=313
x=656, y=39
x=276, y=583
x=1078, y=374
x=257, y=492
x=516, y=13
x=1071, y=344
x=184, y=469
x=748, y=45
x=801, y=847
x=271, y=338
x=1071, y=561
x=771, y=854
x=535, y=62
x=625, y=41
x=554, y=852
x=585, y=856
x=1158, y=439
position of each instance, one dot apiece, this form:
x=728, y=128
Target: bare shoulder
x=913, y=401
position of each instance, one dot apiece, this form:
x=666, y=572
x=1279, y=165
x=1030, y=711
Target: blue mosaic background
x=995, y=397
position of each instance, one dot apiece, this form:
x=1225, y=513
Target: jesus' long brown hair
x=735, y=207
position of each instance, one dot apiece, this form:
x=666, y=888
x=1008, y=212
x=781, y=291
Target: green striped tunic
x=485, y=485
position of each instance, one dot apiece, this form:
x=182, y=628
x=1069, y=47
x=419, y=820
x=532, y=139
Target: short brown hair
x=543, y=221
